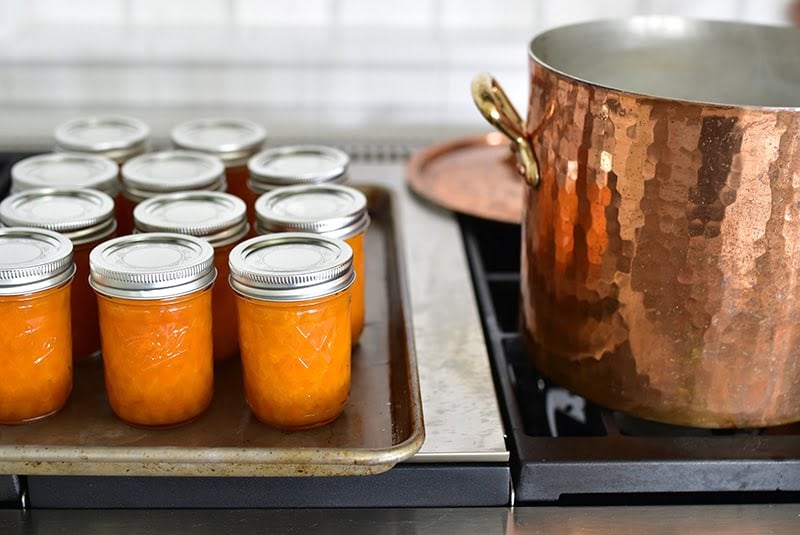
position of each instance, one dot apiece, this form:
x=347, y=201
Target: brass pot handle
x=495, y=107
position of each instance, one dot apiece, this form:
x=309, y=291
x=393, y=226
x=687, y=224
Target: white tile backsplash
x=178, y=12
x=396, y=13
x=510, y=14
x=78, y=11
x=773, y=12
x=705, y=9
x=360, y=62
x=308, y=13
x=572, y=11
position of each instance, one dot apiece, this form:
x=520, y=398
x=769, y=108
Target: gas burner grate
x=568, y=450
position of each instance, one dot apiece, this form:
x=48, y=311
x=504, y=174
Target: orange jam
x=296, y=359
x=124, y=213
x=154, y=302
x=36, y=368
x=294, y=326
x=237, y=182
x=226, y=321
x=86, y=217
x=157, y=358
x=329, y=209
x=220, y=219
x=85, y=322
x=357, y=309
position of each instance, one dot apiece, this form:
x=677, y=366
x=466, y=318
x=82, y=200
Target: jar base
x=159, y=427
x=299, y=427
x=30, y=420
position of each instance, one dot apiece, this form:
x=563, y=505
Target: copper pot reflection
x=661, y=233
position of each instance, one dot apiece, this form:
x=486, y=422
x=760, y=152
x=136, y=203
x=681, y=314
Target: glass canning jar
x=154, y=301
x=116, y=137
x=66, y=170
x=218, y=218
x=293, y=297
x=328, y=209
x=233, y=141
x=36, y=271
x=294, y=165
x=84, y=216
x=167, y=171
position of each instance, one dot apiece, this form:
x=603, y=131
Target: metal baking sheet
x=381, y=425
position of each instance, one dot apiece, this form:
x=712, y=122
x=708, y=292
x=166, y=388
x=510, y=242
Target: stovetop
x=563, y=449
x=566, y=449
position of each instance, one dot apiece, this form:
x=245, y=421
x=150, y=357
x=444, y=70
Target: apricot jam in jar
x=294, y=326
x=84, y=216
x=218, y=218
x=66, y=170
x=36, y=271
x=167, y=171
x=293, y=165
x=233, y=141
x=154, y=299
x=329, y=209
x=116, y=137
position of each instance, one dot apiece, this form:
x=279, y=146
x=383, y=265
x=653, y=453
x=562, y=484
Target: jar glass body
x=157, y=357
x=237, y=177
x=357, y=309
x=296, y=359
x=226, y=322
x=85, y=324
x=250, y=196
x=123, y=209
x=36, y=368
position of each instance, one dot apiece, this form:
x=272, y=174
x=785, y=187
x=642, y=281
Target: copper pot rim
x=622, y=22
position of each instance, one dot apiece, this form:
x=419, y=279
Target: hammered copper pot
x=661, y=229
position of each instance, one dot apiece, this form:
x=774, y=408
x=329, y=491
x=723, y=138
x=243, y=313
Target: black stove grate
x=568, y=450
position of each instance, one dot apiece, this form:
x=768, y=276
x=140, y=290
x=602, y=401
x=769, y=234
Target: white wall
x=298, y=64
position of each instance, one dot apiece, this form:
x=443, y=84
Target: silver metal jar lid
x=82, y=215
x=33, y=259
x=220, y=218
x=231, y=140
x=297, y=164
x=169, y=171
x=330, y=209
x=157, y=265
x=291, y=266
x=113, y=136
x=66, y=170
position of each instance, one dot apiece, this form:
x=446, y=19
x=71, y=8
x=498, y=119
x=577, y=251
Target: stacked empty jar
x=218, y=218
x=86, y=217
